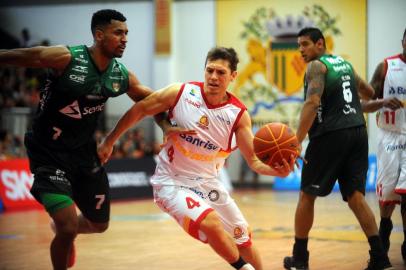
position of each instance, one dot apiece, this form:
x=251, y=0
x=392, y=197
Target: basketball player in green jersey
x=338, y=145
x=60, y=146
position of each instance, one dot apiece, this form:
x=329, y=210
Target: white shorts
x=391, y=160
x=190, y=205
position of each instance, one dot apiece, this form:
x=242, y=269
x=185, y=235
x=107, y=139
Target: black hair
x=228, y=54
x=313, y=33
x=404, y=34
x=103, y=17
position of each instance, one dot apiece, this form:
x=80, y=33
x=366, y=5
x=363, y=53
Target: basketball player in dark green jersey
x=61, y=147
x=338, y=145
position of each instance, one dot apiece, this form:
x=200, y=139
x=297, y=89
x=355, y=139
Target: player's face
x=218, y=76
x=114, y=38
x=308, y=49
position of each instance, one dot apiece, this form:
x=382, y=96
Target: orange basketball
x=274, y=142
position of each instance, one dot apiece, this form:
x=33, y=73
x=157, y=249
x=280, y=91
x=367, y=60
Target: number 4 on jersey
x=191, y=203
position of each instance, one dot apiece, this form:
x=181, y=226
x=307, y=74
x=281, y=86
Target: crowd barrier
x=128, y=179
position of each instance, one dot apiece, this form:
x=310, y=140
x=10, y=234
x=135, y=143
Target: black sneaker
x=291, y=264
x=403, y=249
x=379, y=262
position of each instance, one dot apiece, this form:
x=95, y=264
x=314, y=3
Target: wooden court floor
x=142, y=237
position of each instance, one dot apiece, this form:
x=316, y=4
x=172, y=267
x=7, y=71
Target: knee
x=355, y=199
x=99, y=227
x=211, y=223
x=67, y=230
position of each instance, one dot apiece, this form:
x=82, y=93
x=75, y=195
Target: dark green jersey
x=340, y=106
x=72, y=102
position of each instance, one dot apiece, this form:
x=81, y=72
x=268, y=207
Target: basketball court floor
x=142, y=237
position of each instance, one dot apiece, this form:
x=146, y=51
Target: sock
x=386, y=225
x=376, y=245
x=239, y=263
x=385, y=229
x=300, y=252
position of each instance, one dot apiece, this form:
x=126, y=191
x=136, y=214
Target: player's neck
x=216, y=98
x=101, y=61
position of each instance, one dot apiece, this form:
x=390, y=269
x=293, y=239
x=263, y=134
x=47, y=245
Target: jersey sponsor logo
x=116, y=86
x=81, y=60
x=59, y=178
x=238, y=232
x=116, y=77
x=203, y=122
x=399, y=90
x=395, y=147
x=81, y=69
x=91, y=110
x=219, y=117
x=192, y=92
x=72, y=110
x=213, y=195
x=94, y=97
x=335, y=60
x=77, y=78
x=198, y=142
x=193, y=103
x=348, y=109
x=343, y=67
x=191, y=154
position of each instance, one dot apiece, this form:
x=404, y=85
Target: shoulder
x=235, y=101
x=316, y=67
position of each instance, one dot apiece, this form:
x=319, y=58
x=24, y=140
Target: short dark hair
x=313, y=33
x=103, y=17
x=404, y=34
x=228, y=54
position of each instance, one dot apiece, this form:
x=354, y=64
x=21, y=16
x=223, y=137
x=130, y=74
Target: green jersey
x=71, y=103
x=340, y=106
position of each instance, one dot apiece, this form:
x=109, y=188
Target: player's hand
x=286, y=167
x=392, y=103
x=174, y=131
x=104, y=151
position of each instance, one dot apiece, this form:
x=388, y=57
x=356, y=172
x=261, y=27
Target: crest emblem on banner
x=271, y=82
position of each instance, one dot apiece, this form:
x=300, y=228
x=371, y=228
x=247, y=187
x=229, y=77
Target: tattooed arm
x=315, y=78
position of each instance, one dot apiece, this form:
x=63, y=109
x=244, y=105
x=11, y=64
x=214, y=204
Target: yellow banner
x=271, y=70
x=162, y=27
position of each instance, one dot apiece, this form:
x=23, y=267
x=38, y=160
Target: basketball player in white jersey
x=389, y=82
x=185, y=182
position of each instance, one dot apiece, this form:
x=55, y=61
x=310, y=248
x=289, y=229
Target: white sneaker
x=247, y=266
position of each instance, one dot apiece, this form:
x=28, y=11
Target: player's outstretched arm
x=56, y=57
x=159, y=101
x=245, y=139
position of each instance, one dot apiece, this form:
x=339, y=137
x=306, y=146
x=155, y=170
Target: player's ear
x=98, y=34
x=233, y=75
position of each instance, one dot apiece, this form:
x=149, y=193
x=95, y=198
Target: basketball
x=274, y=142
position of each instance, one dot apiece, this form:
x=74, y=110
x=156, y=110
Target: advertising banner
x=15, y=183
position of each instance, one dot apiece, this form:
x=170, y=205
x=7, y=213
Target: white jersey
x=200, y=156
x=394, y=86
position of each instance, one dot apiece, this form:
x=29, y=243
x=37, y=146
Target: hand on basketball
x=286, y=167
